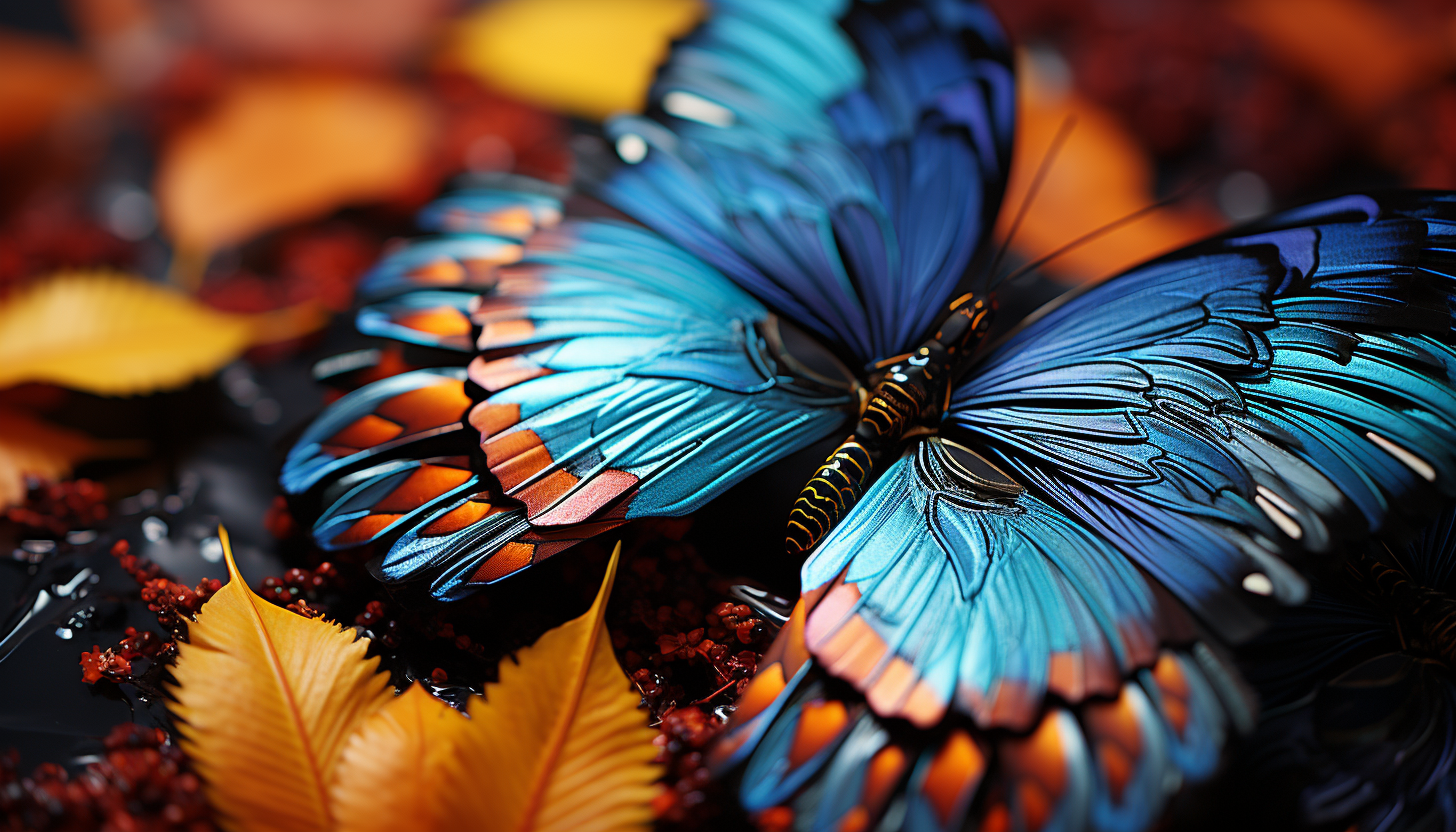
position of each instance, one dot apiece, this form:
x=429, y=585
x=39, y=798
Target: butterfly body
x=913, y=388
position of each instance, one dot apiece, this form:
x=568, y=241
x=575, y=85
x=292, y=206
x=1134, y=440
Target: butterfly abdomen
x=912, y=389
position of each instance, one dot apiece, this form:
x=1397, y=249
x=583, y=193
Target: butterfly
x=1358, y=683
x=1024, y=552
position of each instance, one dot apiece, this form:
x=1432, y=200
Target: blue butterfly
x=1025, y=551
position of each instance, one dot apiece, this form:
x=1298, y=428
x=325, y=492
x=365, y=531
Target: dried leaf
x=392, y=770
x=559, y=743
x=30, y=447
x=284, y=148
x=112, y=334
x=268, y=699
x=1101, y=175
x=590, y=58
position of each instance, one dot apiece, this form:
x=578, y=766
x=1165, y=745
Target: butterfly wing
x=950, y=586
x=614, y=376
x=1250, y=401
x=843, y=173
x=630, y=380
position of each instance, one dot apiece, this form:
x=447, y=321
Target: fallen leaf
x=41, y=82
x=590, y=58
x=112, y=334
x=283, y=148
x=1358, y=50
x=268, y=699
x=30, y=447
x=1100, y=175
x=559, y=742
x=392, y=770
x=371, y=34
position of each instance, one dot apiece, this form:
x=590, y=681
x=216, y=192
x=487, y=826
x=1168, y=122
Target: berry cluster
x=52, y=509
x=144, y=784
x=114, y=663
x=298, y=585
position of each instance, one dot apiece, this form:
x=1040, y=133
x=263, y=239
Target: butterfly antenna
x=1096, y=233
x=1042, y=169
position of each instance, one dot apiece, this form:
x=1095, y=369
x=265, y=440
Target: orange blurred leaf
x=1100, y=175
x=283, y=148
x=559, y=742
x=1358, y=50
x=355, y=33
x=268, y=699
x=590, y=58
x=114, y=334
x=31, y=447
x=40, y=82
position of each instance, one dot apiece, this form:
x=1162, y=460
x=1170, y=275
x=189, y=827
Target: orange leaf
x=40, y=81
x=284, y=148
x=30, y=447
x=269, y=699
x=590, y=58
x=355, y=33
x=1100, y=176
x=1356, y=49
x=559, y=743
x=392, y=770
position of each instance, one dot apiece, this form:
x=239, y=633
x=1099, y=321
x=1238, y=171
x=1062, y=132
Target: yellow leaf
x=590, y=58
x=30, y=447
x=1100, y=176
x=558, y=743
x=117, y=335
x=393, y=769
x=268, y=699
x=283, y=148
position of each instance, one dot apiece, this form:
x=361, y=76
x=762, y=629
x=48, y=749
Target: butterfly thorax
x=907, y=393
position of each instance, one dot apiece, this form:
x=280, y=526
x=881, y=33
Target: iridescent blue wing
x=1254, y=400
x=614, y=376
x=950, y=585
x=843, y=173
x=1360, y=725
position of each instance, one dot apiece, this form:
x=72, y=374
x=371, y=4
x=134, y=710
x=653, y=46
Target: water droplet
x=154, y=529
x=1243, y=195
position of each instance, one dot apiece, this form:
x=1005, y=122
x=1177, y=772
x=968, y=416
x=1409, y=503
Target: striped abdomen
x=835, y=487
